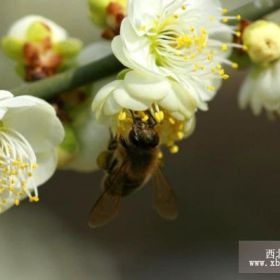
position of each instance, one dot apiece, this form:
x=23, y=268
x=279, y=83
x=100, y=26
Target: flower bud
x=98, y=10
x=262, y=40
x=109, y=15
x=40, y=47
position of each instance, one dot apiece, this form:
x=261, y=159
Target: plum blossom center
x=17, y=164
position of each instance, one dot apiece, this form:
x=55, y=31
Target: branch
x=71, y=79
x=94, y=71
x=251, y=12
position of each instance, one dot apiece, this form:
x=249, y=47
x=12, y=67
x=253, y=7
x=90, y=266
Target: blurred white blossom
x=29, y=135
x=261, y=88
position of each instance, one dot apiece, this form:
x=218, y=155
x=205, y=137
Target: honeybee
x=129, y=164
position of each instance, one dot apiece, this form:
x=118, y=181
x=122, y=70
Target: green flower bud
x=69, y=48
x=37, y=32
x=12, y=47
x=262, y=40
x=98, y=10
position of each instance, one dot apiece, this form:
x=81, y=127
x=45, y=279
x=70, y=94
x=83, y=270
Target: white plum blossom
x=187, y=40
x=261, y=89
x=148, y=96
x=29, y=135
x=140, y=91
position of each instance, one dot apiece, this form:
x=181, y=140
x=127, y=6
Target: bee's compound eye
x=133, y=137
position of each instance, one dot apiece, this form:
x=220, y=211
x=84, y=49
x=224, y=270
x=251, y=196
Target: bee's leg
x=104, y=160
x=113, y=142
x=123, y=142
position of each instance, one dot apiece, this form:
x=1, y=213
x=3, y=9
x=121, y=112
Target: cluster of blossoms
x=31, y=130
x=176, y=55
x=174, y=52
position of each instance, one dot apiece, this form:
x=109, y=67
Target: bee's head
x=143, y=135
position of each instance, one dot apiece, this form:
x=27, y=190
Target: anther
x=159, y=116
x=174, y=149
x=122, y=116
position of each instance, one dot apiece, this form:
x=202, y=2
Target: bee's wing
x=108, y=205
x=105, y=209
x=164, y=197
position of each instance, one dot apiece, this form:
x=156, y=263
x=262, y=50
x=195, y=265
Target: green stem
x=251, y=12
x=71, y=79
x=107, y=66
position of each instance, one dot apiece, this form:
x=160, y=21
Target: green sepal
x=121, y=75
x=13, y=47
x=70, y=143
x=37, y=32
x=20, y=70
x=69, y=48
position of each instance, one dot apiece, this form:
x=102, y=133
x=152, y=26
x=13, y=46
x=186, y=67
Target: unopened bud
x=262, y=41
x=98, y=10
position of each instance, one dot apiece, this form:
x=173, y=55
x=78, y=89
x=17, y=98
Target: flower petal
x=144, y=86
x=20, y=27
x=36, y=120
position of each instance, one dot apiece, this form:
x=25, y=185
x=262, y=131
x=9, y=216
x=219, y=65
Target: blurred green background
x=226, y=178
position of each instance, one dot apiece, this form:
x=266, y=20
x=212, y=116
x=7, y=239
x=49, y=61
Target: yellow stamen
x=238, y=17
x=122, y=116
x=171, y=120
x=225, y=11
x=180, y=135
x=159, y=116
x=224, y=47
x=145, y=118
x=211, y=88
x=34, y=199
x=174, y=149
x=184, y=7
x=238, y=34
